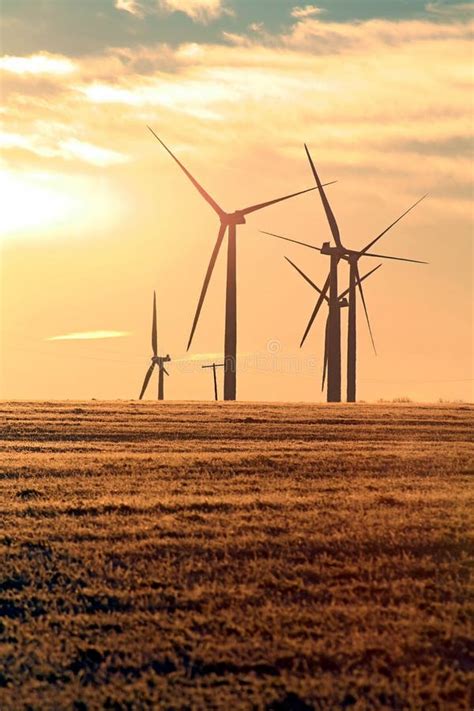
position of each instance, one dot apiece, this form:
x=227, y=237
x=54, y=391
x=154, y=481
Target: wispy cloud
x=198, y=10
x=188, y=96
x=68, y=148
x=329, y=37
x=131, y=6
x=38, y=64
x=89, y=153
x=89, y=335
x=202, y=11
x=306, y=11
x=452, y=10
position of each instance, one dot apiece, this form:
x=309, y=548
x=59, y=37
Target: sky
x=96, y=216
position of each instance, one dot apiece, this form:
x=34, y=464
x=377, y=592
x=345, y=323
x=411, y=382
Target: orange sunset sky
x=95, y=215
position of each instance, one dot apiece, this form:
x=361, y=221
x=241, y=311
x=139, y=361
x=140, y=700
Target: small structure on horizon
x=214, y=367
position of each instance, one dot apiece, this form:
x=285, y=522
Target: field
x=235, y=556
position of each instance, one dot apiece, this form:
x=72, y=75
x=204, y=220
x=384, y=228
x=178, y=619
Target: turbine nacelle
x=159, y=360
x=233, y=218
x=341, y=252
x=327, y=249
x=351, y=256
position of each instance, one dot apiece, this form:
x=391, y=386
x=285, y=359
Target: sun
x=34, y=201
x=44, y=204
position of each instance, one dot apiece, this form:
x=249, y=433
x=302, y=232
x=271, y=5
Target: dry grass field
x=235, y=556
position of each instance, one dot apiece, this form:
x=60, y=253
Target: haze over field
x=95, y=214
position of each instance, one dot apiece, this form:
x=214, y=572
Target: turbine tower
x=155, y=359
x=228, y=223
x=336, y=253
x=343, y=302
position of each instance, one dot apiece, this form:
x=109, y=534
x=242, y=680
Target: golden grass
x=247, y=556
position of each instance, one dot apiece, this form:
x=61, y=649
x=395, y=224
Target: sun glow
x=39, y=203
x=33, y=201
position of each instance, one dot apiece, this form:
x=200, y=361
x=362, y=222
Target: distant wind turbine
x=343, y=302
x=228, y=223
x=336, y=253
x=155, y=359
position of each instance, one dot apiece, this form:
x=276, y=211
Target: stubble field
x=247, y=556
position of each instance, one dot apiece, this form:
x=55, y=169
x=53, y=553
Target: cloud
x=89, y=335
x=67, y=148
x=89, y=153
x=386, y=62
x=256, y=27
x=198, y=10
x=306, y=11
x=361, y=93
x=236, y=39
x=203, y=11
x=38, y=64
x=131, y=6
x=455, y=10
x=331, y=37
x=189, y=96
x=310, y=34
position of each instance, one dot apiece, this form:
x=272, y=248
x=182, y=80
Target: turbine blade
x=207, y=278
x=305, y=277
x=344, y=293
x=288, y=239
x=326, y=205
x=368, y=246
x=325, y=363
x=154, y=336
x=398, y=259
x=147, y=380
x=365, y=307
x=320, y=300
x=198, y=187
x=260, y=206
x=165, y=371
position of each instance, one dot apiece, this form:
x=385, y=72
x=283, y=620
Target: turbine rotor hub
x=159, y=360
x=234, y=218
x=333, y=251
x=327, y=249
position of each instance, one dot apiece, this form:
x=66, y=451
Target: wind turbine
x=228, y=223
x=214, y=367
x=343, y=302
x=155, y=359
x=336, y=253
